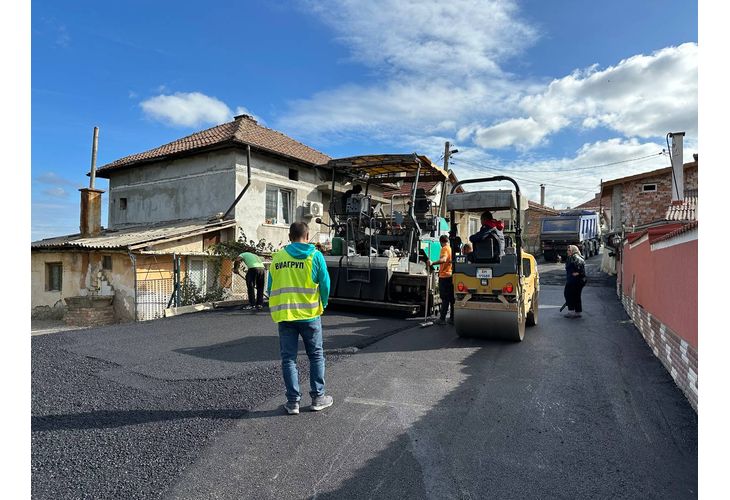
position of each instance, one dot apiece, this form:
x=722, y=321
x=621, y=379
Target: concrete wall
x=185, y=188
x=78, y=278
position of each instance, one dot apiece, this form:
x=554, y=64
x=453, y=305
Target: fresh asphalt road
x=173, y=409
x=119, y=411
x=580, y=409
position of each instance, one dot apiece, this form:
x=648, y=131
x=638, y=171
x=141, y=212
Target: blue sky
x=529, y=88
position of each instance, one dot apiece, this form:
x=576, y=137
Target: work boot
x=569, y=314
x=292, y=408
x=321, y=402
x=247, y=307
x=440, y=321
x=259, y=307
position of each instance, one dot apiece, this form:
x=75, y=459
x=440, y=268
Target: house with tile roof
x=640, y=200
x=178, y=199
x=200, y=175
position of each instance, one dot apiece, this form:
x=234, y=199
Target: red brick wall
x=659, y=291
x=531, y=231
x=639, y=208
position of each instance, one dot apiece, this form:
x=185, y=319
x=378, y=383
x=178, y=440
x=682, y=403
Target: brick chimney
x=90, y=224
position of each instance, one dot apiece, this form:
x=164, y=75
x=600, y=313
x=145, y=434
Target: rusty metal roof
x=390, y=167
x=685, y=210
x=241, y=131
x=134, y=238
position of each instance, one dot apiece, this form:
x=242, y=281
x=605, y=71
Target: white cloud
x=442, y=72
x=186, y=109
x=55, y=192
x=642, y=96
x=570, y=180
x=529, y=132
x=63, y=39
x=54, y=179
x=438, y=65
x=190, y=109
x=461, y=37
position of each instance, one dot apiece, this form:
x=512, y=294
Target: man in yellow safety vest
x=299, y=287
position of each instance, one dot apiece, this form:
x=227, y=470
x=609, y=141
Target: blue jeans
x=311, y=332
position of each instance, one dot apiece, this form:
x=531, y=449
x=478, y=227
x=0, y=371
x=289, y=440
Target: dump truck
x=497, y=295
x=572, y=227
x=379, y=254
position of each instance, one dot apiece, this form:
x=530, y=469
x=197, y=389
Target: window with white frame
x=279, y=205
x=473, y=226
x=648, y=188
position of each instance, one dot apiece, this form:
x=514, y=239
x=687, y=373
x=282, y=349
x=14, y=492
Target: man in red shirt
x=446, y=284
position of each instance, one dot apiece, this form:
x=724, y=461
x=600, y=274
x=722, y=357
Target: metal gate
x=152, y=298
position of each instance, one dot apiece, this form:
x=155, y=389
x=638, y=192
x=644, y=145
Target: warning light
x=461, y=287
x=508, y=288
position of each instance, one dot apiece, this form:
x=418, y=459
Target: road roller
x=496, y=285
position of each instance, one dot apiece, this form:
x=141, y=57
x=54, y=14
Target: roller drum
x=494, y=325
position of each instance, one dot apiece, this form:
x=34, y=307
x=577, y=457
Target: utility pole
x=447, y=154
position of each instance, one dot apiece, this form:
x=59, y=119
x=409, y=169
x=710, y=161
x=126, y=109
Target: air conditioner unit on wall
x=312, y=209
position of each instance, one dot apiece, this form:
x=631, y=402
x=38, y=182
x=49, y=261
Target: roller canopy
x=498, y=199
x=389, y=168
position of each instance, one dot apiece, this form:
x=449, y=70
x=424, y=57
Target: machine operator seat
x=485, y=251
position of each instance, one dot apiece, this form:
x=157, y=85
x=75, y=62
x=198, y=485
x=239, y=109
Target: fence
x=152, y=298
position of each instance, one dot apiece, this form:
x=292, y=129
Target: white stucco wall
x=269, y=171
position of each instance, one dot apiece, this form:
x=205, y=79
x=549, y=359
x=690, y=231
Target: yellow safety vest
x=294, y=295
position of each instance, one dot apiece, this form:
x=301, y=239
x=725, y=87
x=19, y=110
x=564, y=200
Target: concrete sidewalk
x=580, y=409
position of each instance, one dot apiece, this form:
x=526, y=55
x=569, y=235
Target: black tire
x=532, y=314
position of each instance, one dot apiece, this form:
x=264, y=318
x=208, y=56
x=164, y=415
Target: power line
x=525, y=179
x=654, y=155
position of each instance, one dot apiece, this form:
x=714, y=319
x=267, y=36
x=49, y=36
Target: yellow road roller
x=496, y=285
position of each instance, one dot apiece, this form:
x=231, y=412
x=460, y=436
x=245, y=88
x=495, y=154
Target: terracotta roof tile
x=684, y=229
x=685, y=210
x=242, y=130
x=536, y=206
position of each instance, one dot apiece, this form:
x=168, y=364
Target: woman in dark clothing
x=575, y=271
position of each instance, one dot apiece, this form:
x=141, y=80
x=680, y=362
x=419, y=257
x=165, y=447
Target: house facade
x=177, y=200
x=533, y=223
x=131, y=267
x=638, y=200
x=201, y=175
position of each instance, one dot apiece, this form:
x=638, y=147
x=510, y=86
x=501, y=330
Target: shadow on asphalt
x=109, y=419
x=589, y=416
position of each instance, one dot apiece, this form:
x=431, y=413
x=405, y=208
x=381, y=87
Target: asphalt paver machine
x=496, y=294
x=378, y=252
